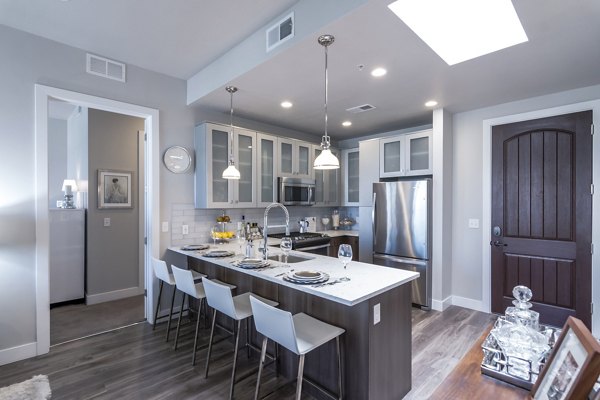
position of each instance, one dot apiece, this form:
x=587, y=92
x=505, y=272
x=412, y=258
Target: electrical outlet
x=376, y=313
x=185, y=229
x=473, y=223
x=106, y=221
x=165, y=226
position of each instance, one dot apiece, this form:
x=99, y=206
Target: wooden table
x=467, y=382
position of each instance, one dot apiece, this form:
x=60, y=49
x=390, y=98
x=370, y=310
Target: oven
x=308, y=242
x=296, y=191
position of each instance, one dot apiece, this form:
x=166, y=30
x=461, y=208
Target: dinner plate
x=290, y=278
x=193, y=247
x=307, y=275
x=252, y=265
x=218, y=253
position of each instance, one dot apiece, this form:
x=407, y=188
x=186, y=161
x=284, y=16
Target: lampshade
x=231, y=172
x=69, y=182
x=326, y=160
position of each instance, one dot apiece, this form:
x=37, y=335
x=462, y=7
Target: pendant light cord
x=231, y=123
x=326, y=138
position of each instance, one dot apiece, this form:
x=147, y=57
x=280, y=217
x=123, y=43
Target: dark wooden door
x=542, y=215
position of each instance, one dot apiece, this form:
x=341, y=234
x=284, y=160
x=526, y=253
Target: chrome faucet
x=266, y=226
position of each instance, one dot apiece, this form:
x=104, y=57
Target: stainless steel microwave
x=296, y=191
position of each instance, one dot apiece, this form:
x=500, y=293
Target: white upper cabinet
x=350, y=177
x=212, y=143
x=327, y=182
x=266, y=163
x=294, y=158
x=405, y=155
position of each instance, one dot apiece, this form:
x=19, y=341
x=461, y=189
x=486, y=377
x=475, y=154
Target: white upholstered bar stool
x=162, y=273
x=300, y=334
x=184, y=280
x=238, y=308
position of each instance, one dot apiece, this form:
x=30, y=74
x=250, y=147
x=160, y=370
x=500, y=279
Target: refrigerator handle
x=373, y=217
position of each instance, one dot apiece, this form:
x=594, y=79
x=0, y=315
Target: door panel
x=541, y=177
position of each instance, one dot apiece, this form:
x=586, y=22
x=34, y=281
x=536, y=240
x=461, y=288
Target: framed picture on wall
x=114, y=189
x=573, y=367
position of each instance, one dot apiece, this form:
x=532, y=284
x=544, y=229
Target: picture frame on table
x=573, y=367
x=114, y=189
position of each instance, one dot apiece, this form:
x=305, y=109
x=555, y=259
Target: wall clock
x=177, y=159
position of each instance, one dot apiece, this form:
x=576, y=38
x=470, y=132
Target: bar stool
x=185, y=282
x=238, y=308
x=162, y=273
x=300, y=334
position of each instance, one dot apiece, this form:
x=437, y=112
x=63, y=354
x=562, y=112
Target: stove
x=310, y=242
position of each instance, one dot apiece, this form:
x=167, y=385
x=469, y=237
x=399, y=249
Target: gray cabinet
x=212, y=143
x=267, y=161
x=294, y=158
x=350, y=177
x=369, y=170
x=327, y=182
x=406, y=155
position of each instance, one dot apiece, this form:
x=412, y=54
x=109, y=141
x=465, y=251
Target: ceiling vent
x=280, y=32
x=106, y=68
x=359, y=109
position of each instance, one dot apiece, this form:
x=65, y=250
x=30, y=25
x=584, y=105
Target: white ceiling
x=180, y=37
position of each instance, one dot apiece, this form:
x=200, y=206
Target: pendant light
x=231, y=172
x=326, y=160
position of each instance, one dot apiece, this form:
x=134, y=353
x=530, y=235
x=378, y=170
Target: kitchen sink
x=290, y=259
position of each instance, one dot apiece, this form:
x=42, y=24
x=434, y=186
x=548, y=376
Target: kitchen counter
x=374, y=308
x=366, y=280
x=340, y=232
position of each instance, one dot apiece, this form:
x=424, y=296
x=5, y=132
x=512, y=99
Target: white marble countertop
x=366, y=280
x=340, y=232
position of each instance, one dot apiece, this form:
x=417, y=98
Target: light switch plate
x=106, y=221
x=473, y=223
x=376, y=313
x=185, y=229
x=165, y=226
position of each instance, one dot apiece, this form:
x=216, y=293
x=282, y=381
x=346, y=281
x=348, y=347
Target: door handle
x=498, y=243
x=373, y=227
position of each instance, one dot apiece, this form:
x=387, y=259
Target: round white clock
x=177, y=159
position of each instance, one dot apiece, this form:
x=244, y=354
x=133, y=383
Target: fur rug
x=36, y=388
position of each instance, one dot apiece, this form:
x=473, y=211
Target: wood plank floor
x=74, y=321
x=136, y=363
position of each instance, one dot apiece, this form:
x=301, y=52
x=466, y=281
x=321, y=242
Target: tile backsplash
x=199, y=221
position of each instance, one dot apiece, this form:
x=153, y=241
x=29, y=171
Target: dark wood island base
x=376, y=358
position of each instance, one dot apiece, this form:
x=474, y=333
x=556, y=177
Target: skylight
x=461, y=30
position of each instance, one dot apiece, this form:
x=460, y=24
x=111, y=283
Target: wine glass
x=345, y=254
x=241, y=238
x=214, y=233
x=286, y=246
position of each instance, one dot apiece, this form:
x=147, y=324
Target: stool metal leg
x=339, y=359
x=277, y=359
x=158, y=303
x=179, y=321
x=235, y=356
x=171, y=312
x=196, y=336
x=212, y=332
x=300, y=374
x=248, y=337
x=263, y=353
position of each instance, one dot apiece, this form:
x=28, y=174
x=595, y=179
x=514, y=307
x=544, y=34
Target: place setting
x=252, y=263
x=217, y=253
x=306, y=277
x=195, y=247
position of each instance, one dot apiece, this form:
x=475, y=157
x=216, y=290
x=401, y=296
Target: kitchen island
x=374, y=308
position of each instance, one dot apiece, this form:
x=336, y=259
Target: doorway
x=150, y=219
x=541, y=217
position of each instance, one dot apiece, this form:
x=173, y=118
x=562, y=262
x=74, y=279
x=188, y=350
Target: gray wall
x=112, y=251
x=57, y=159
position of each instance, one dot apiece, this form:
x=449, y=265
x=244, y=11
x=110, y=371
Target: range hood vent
x=280, y=32
x=359, y=109
x=105, y=68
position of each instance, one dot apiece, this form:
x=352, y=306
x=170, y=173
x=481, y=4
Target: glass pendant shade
x=326, y=160
x=231, y=172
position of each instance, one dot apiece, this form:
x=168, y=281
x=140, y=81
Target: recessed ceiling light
x=377, y=72
x=461, y=30
x=286, y=104
x=431, y=103
x=346, y=123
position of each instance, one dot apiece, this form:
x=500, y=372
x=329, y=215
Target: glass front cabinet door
x=267, y=167
x=294, y=158
x=212, y=143
x=350, y=173
x=406, y=155
x=327, y=182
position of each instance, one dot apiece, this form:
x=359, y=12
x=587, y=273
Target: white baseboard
x=18, y=353
x=468, y=303
x=114, y=295
x=441, y=305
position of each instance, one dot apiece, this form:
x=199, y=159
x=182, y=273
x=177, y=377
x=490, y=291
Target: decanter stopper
x=522, y=294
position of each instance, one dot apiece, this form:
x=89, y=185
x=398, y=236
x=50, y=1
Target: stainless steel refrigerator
x=402, y=231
